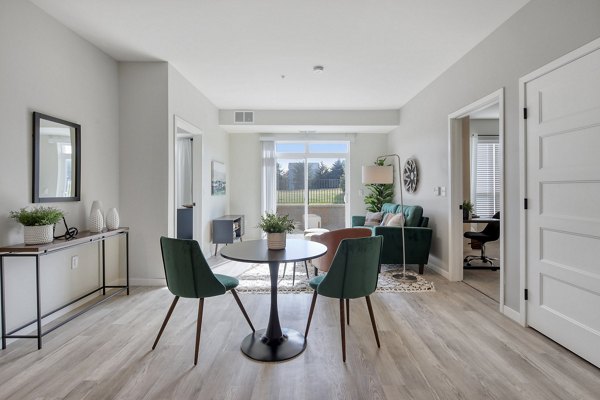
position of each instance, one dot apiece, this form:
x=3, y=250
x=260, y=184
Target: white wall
x=45, y=67
x=144, y=141
x=540, y=32
x=245, y=173
x=186, y=102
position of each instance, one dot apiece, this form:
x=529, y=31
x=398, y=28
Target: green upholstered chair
x=353, y=274
x=188, y=275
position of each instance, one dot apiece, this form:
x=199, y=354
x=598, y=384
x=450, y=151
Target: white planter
x=112, y=219
x=39, y=234
x=276, y=241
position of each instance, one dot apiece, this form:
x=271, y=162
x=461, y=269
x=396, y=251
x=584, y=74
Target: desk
x=273, y=343
x=39, y=250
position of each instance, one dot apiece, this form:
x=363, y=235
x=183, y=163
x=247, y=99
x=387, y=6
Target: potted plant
x=467, y=208
x=276, y=227
x=38, y=222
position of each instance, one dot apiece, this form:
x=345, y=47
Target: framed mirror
x=56, y=159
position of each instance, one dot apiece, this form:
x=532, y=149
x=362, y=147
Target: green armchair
x=418, y=236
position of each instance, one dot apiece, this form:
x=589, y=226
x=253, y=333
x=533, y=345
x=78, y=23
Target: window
x=485, y=173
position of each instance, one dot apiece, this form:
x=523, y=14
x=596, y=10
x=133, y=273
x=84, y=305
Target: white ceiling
x=377, y=54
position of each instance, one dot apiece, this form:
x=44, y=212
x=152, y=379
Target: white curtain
x=269, y=177
x=184, y=166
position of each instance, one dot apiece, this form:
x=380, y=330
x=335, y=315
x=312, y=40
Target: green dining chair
x=188, y=275
x=353, y=274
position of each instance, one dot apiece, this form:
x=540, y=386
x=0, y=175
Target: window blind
x=486, y=175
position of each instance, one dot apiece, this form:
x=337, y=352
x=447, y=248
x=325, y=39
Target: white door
x=563, y=191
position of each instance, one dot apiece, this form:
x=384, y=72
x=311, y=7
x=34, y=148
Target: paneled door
x=563, y=217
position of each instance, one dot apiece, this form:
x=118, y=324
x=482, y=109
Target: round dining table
x=273, y=343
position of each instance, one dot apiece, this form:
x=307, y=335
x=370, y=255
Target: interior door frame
x=455, y=188
x=194, y=133
x=556, y=64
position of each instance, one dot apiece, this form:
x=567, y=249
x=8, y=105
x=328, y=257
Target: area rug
x=257, y=280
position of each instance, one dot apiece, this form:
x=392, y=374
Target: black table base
x=257, y=346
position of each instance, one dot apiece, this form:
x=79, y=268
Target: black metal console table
x=37, y=251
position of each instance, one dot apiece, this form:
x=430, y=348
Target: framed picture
x=218, y=179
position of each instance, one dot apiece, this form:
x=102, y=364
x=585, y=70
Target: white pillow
x=373, y=218
x=386, y=219
x=396, y=220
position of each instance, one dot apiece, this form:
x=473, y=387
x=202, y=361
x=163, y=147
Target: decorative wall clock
x=410, y=175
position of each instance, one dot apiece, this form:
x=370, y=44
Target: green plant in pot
x=38, y=222
x=276, y=227
x=467, y=208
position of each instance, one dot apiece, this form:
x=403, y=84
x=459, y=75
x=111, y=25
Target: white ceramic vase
x=112, y=219
x=38, y=234
x=276, y=241
x=97, y=205
x=96, y=222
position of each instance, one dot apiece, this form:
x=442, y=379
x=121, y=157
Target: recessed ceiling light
x=318, y=69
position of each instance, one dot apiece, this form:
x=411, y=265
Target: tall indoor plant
x=38, y=223
x=379, y=193
x=276, y=227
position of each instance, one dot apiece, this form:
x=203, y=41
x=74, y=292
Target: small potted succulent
x=467, y=208
x=276, y=227
x=38, y=223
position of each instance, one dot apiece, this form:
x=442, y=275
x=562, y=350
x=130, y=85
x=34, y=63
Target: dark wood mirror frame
x=75, y=169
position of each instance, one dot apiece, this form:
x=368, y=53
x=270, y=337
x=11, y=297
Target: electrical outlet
x=74, y=262
x=361, y=192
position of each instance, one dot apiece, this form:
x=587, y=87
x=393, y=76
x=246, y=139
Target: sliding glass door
x=311, y=185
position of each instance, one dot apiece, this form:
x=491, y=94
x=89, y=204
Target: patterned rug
x=257, y=280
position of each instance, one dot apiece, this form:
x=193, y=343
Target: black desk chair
x=490, y=233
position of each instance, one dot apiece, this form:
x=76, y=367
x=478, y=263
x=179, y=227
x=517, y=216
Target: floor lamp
x=384, y=175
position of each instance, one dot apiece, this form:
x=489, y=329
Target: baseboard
x=512, y=314
x=438, y=270
x=147, y=282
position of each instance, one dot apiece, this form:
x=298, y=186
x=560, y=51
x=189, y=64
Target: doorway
x=476, y=136
x=188, y=173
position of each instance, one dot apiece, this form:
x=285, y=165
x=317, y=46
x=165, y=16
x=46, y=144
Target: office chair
x=490, y=233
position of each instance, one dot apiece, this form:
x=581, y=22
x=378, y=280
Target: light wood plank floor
x=451, y=344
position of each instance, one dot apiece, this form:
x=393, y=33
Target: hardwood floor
x=428, y=351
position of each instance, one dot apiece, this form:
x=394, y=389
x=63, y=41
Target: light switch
x=443, y=191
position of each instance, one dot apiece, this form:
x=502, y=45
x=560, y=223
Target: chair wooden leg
x=372, y=319
x=421, y=268
x=198, y=327
x=348, y=311
x=310, y=313
x=239, y=302
x=343, y=329
x=162, y=328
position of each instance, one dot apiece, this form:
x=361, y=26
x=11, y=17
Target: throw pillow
x=386, y=219
x=396, y=220
x=373, y=218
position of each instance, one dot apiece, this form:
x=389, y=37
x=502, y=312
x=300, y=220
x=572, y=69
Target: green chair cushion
x=314, y=282
x=228, y=281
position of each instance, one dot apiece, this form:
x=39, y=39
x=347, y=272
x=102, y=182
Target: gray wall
x=45, y=67
x=540, y=32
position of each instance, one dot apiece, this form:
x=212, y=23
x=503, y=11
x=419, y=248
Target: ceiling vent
x=243, y=117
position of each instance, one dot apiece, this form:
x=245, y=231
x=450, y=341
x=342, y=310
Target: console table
x=37, y=251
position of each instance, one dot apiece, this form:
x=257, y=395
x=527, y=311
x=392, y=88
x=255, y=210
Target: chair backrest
x=354, y=269
x=492, y=229
x=186, y=269
x=332, y=240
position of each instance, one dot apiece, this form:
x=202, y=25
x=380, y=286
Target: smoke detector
x=318, y=69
